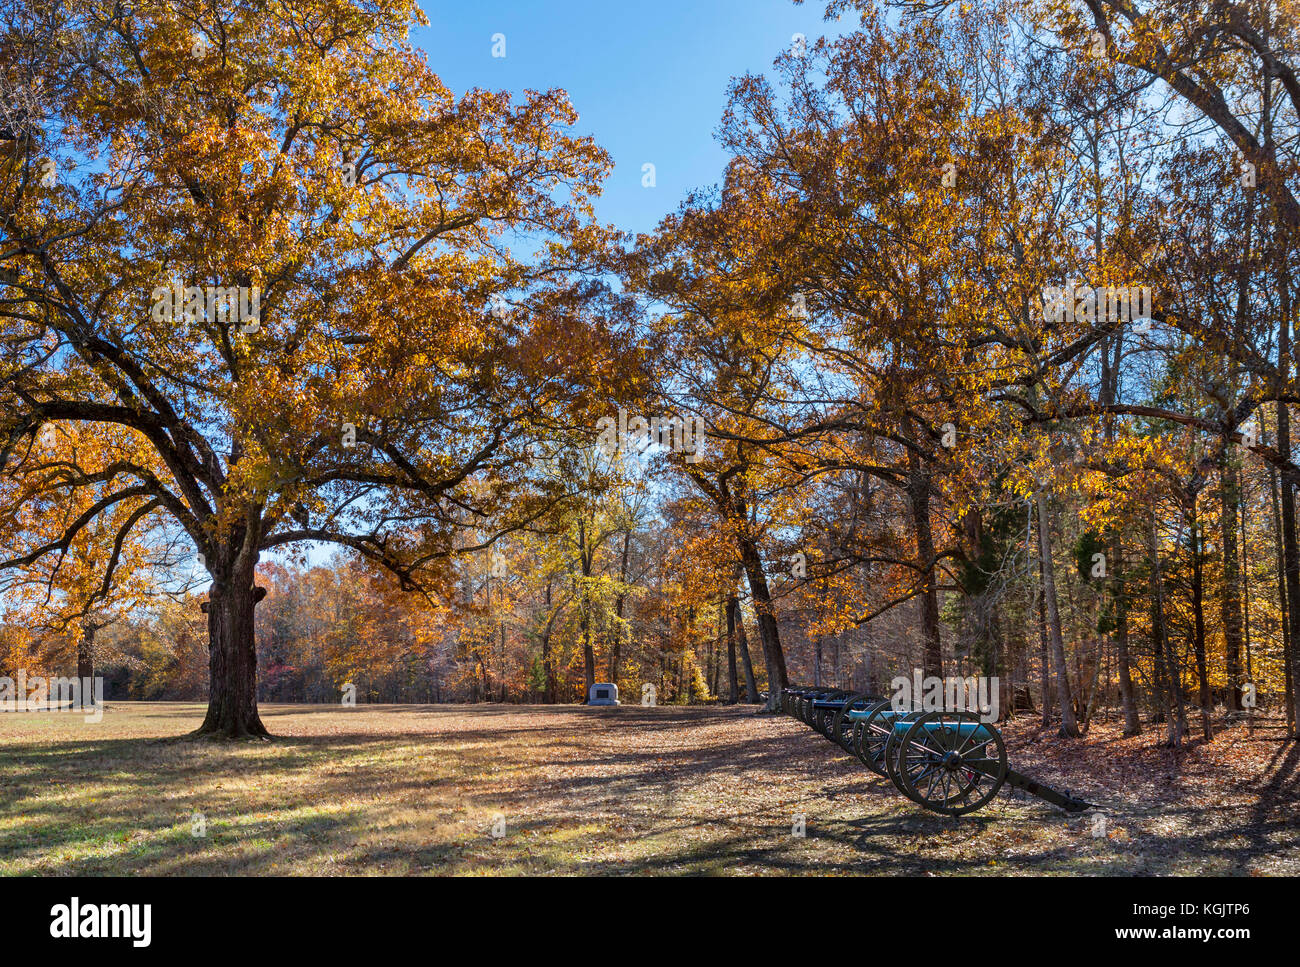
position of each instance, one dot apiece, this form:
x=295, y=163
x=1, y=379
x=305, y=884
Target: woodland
x=933, y=436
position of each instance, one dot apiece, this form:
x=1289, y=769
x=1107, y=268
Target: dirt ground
x=572, y=790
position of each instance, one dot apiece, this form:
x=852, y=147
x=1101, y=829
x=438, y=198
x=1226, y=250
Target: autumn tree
x=264, y=241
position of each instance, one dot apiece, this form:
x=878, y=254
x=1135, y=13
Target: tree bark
x=232, y=662
x=1166, y=668
x=1198, y=638
x=1283, y=609
x=918, y=492
x=1127, y=697
x=1230, y=599
x=733, y=696
x=1290, y=552
x=1044, y=664
x=548, y=663
x=86, y=651
x=747, y=665
x=1069, y=727
x=616, y=642
x=768, y=630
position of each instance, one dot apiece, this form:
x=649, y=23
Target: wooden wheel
x=842, y=728
x=844, y=731
x=870, y=738
x=894, y=746
x=951, y=762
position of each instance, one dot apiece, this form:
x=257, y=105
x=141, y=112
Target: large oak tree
x=302, y=153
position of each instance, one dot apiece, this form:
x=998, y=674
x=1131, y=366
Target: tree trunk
x=1290, y=552
x=746, y=664
x=86, y=652
x=1044, y=664
x=1283, y=608
x=733, y=696
x=1230, y=598
x=1069, y=728
x=918, y=492
x=616, y=642
x=1132, y=722
x=588, y=654
x=232, y=661
x=548, y=662
x=768, y=630
x=1166, y=668
x=1198, y=639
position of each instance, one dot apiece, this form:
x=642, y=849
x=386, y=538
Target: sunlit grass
x=415, y=790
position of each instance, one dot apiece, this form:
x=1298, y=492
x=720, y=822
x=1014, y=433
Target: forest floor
x=712, y=790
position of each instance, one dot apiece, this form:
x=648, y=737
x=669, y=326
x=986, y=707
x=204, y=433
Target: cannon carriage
x=949, y=762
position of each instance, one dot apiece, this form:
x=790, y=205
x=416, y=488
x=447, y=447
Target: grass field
x=416, y=790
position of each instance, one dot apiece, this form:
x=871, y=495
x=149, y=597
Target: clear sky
x=649, y=80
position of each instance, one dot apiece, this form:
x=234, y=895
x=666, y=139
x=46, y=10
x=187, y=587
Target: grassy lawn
x=416, y=789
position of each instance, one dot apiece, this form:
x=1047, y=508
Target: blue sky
x=649, y=81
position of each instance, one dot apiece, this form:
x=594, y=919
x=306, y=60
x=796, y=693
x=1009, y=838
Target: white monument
x=603, y=693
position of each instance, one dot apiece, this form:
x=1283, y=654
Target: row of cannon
x=950, y=761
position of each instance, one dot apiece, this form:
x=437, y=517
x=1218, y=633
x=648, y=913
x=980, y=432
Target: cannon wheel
x=806, y=710
x=820, y=718
x=837, y=730
x=869, y=743
x=870, y=740
x=893, y=749
x=947, y=772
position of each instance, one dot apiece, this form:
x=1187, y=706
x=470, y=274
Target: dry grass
x=414, y=789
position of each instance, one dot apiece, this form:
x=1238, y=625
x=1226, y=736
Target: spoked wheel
x=841, y=732
x=826, y=722
x=871, y=735
x=827, y=718
x=951, y=762
x=894, y=746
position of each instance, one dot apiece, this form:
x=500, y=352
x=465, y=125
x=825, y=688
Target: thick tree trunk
x=918, y=492
x=1290, y=553
x=1291, y=565
x=768, y=630
x=232, y=662
x=1283, y=609
x=1069, y=728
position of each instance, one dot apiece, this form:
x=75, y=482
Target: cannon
x=949, y=762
